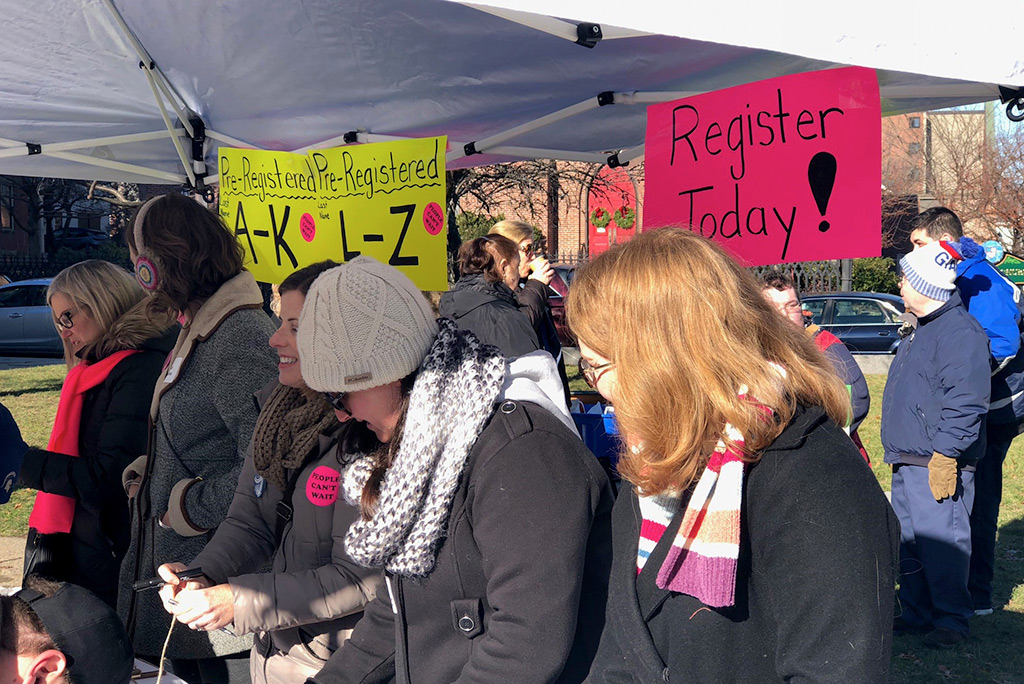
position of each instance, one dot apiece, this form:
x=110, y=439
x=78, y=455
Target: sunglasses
x=65, y=321
x=591, y=374
x=337, y=401
x=526, y=249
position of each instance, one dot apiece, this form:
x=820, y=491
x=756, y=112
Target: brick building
x=13, y=213
x=584, y=210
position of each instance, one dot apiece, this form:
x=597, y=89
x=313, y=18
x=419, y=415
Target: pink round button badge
x=433, y=218
x=307, y=226
x=322, y=486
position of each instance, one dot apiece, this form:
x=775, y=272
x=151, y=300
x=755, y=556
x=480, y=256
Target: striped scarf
x=704, y=555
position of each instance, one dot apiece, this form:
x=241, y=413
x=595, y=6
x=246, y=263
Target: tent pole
x=20, y=150
x=119, y=166
x=233, y=142
x=538, y=153
x=631, y=154
x=556, y=27
x=504, y=150
x=484, y=144
x=185, y=162
x=549, y=25
x=143, y=55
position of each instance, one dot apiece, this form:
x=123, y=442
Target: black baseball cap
x=87, y=631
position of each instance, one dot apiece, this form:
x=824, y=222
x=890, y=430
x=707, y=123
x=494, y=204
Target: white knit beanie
x=931, y=270
x=363, y=324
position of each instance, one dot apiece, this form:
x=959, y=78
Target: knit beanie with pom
x=363, y=324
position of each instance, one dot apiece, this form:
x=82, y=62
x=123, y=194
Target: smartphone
x=154, y=582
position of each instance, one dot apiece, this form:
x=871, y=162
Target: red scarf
x=53, y=512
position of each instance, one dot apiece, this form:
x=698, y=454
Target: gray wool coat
x=201, y=423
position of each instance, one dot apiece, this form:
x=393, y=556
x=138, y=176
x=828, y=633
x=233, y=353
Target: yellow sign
x=384, y=200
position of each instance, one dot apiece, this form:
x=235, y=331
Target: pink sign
x=783, y=170
x=322, y=486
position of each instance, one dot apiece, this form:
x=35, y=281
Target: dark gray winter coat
x=202, y=418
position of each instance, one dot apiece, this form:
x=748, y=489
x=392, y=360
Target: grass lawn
x=993, y=655
x=31, y=396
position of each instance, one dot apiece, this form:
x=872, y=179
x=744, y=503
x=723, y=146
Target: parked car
x=558, y=291
x=866, y=322
x=76, y=238
x=26, y=323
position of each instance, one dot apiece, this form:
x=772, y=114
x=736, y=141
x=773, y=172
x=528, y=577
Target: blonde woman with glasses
x=79, y=525
x=754, y=545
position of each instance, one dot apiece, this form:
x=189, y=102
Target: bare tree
x=1006, y=170
x=959, y=159
x=52, y=203
x=538, y=189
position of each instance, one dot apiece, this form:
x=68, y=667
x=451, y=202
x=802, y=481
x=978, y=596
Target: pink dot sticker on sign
x=322, y=486
x=307, y=226
x=433, y=218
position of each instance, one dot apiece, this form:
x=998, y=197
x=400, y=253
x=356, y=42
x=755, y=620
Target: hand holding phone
x=178, y=577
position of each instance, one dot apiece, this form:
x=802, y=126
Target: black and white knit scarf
x=452, y=399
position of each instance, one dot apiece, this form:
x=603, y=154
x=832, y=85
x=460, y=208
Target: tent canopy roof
x=288, y=74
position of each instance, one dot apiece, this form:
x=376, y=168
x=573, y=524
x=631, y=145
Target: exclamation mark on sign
x=821, y=174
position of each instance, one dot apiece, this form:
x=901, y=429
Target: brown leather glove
x=942, y=472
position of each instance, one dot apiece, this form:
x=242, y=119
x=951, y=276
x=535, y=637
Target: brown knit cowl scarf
x=287, y=430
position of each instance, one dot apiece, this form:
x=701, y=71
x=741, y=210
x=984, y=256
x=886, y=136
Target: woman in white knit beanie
x=486, y=512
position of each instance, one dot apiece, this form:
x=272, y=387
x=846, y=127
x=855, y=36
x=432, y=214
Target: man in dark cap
x=59, y=633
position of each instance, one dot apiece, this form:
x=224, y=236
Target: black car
x=77, y=238
x=866, y=322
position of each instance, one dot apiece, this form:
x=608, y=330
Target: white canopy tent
x=146, y=91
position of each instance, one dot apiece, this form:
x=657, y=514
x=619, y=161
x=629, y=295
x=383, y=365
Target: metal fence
x=24, y=266
x=810, y=276
x=570, y=258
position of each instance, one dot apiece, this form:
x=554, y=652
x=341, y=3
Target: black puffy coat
x=490, y=311
x=521, y=580
x=113, y=432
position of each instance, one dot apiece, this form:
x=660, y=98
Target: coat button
x=664, y=675
x=507, y=406
x=466, y=623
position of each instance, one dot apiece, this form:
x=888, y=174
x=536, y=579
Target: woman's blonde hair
x=516, y=231
x=687, y=327
x=98, y=288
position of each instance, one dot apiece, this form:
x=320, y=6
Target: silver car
x=26, y=323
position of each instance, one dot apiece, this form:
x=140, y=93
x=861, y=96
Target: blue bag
x=596, y=424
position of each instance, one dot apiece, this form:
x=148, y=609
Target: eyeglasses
x=526, y=249
x=337, y=400
x=592, y=373
x=65, y=321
